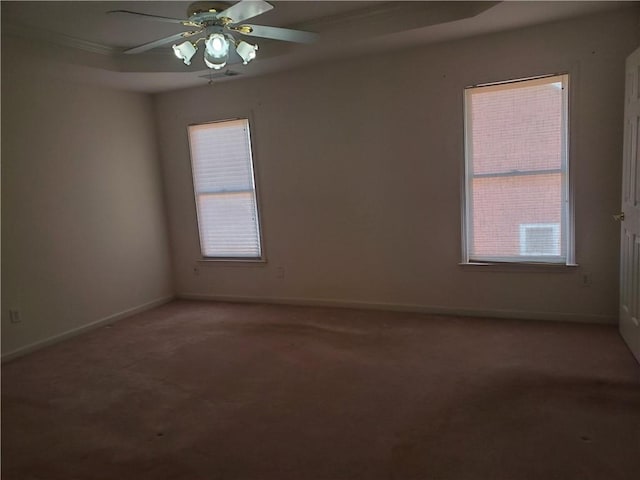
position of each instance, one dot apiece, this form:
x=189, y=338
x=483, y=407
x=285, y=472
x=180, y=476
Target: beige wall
x=359, y=168
x=83, y=226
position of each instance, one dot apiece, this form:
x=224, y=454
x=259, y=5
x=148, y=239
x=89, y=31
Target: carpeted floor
x=197, y=390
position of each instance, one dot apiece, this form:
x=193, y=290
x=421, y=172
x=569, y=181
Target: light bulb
x=217, y=45
x=216, y=51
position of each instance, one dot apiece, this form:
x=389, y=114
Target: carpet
x=203, y=390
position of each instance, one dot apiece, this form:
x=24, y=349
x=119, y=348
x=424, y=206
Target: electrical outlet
x=280, y=273
x=586, y=279
x=14, y=315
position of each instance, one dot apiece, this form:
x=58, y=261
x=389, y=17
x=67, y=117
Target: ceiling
x=87, y=43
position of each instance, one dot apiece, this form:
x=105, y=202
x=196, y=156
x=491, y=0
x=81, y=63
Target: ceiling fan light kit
x=216, y=51
x=216, y=24
x=185, y=51
x=246, y=51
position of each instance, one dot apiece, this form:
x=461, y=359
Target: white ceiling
x=89, y=41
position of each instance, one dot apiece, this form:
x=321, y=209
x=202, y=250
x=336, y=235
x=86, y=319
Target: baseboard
x=84, y=328
x=396, y=307
x=317, y=302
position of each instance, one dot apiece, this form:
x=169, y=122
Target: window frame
x=567, y=207
x=261, y=259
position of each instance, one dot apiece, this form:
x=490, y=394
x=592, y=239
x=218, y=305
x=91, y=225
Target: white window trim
x=567, y=215
x=231, y=260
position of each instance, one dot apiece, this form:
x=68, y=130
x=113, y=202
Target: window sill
x=520, y=267
x=233, y=262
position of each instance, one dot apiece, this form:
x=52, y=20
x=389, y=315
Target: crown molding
x=58, y=39
x=398, y=10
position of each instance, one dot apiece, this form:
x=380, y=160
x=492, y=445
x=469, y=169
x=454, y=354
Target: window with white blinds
x=516, y=185
x=225, y=191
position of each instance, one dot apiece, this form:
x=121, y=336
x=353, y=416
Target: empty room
x=323, y=240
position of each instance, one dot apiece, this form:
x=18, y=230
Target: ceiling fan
x=218, y=24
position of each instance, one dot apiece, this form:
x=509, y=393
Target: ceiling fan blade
x=277, y=33
x=146, y=16
x=158, y=43
x=245, y=10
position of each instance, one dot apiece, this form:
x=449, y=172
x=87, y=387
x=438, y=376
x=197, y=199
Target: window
x=516, y=182
x=225, y=191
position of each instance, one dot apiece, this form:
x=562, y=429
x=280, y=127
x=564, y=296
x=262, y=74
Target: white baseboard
x=396, y=307
x=318, y=302
x=84, y=328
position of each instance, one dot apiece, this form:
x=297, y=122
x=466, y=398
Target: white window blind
x=224, y=188
x=516, y=195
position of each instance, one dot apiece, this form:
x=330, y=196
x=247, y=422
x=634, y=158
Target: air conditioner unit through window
x=540, y=239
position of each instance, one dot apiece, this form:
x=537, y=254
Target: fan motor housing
x=204, y=7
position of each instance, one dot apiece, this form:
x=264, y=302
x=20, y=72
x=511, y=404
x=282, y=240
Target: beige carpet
x=196, y=390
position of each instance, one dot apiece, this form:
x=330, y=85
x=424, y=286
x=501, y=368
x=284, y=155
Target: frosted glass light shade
x=216, y=51
x=246, y=51
x=185, y=51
